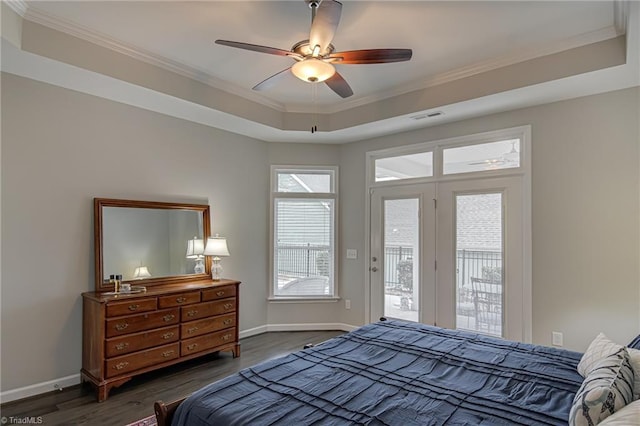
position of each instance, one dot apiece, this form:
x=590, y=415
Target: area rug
x=147, y=421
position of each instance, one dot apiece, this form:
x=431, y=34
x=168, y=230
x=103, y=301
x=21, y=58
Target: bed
x=393, y=373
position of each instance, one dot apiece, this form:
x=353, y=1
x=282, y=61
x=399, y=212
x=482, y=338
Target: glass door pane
x=479, y=263
x=401, y=258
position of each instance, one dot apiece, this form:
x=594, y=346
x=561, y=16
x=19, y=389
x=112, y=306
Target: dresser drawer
x=128, y=307
x=178, y=299
x=207, y=325
x=137, y=341
x=207, y=341
x=219, y=293
x=141, y=322
x=208, y=309
x=138, y=360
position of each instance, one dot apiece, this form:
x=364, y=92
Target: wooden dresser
x=128, y=334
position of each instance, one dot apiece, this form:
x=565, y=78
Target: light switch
x=352, y=254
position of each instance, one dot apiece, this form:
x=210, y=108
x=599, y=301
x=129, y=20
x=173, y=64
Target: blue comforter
x=396, y=373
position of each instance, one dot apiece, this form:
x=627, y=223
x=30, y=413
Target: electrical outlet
x=556, y=338
x=352, y=254
x=347, y=304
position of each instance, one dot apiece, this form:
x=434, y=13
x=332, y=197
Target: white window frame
x=436, y=147
x=274, y=194
x=524, y=171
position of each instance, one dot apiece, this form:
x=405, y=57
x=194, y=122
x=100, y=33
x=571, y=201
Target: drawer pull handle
x=121, y=346
x=192, y=346
x=122, y=326
x=167, y=354
x=227, y=321
x=220, y=293
x=228, y=305
x=192, y=329
x=192, y=312
x=168, y=318
x=133, y=307
x=166, y=336
x=226, y=337
x=120, y=365
x=181, y=299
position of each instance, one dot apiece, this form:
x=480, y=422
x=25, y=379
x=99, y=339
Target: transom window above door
x=490, y=154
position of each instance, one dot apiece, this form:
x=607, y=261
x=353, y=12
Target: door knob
x=373, y=269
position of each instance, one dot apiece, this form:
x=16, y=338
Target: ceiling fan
x=315, y=57
x=510, y=158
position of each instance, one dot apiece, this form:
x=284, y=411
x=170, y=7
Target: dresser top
x=158, y=290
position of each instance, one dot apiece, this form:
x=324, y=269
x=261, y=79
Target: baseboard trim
x=253, y=331
x=311, y=327
x=39, y=388
x=74, y=379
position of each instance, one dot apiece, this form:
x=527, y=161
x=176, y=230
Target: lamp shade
x=216, y=246
x=141, y=272
x=313, y=70
x=195, y=248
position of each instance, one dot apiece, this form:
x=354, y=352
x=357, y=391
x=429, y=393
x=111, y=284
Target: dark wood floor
x=134, y=400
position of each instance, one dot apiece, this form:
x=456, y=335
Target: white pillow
x=626, y=416
x=634, y=357
x=602, y=347
x=606, y=390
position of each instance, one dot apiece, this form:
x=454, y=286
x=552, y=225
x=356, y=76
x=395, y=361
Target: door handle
x=373, y=269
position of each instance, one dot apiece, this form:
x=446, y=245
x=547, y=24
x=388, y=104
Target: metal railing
x=485, y=264
x=303, y=260
x=307, y=260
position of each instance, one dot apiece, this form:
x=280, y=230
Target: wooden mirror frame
x=99, y=203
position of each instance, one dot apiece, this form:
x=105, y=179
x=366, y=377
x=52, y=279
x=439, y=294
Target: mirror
x=146, y=242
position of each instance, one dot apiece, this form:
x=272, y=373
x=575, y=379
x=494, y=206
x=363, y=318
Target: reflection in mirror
x=149, y=243
x=153, y=238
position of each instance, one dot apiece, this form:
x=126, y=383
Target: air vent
x=429, y=115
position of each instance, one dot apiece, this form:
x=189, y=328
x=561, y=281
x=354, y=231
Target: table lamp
x=216, y=247
x=195, y=250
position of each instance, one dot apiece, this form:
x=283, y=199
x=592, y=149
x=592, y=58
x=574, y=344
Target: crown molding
x=18, y=6
x=37, y=16
x=479, y=67
x=31, y=13
x=620, y=15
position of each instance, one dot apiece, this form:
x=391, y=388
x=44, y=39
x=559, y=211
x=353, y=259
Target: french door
x=403, y=253
x=450, y=254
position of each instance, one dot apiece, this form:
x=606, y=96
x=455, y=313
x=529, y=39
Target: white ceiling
x=450, y=40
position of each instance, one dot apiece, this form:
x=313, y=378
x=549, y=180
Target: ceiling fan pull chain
x=314, y=119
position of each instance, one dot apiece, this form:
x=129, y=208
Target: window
x=404, y=167
x=304, y=227
x=480, y=157
x=497, y=153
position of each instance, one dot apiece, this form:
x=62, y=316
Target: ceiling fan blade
x=339, y=85
x=324, y=25
x=257, y=48
x=271, y=81
x=372, y=56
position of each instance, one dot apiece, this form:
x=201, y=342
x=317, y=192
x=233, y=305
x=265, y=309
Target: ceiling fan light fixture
x=313, y=70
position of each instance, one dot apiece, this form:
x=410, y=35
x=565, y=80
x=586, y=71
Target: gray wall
x=61, y=148
x=586, y=215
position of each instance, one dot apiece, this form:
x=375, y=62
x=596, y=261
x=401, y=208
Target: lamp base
x=199, y=268
x=216, y=269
